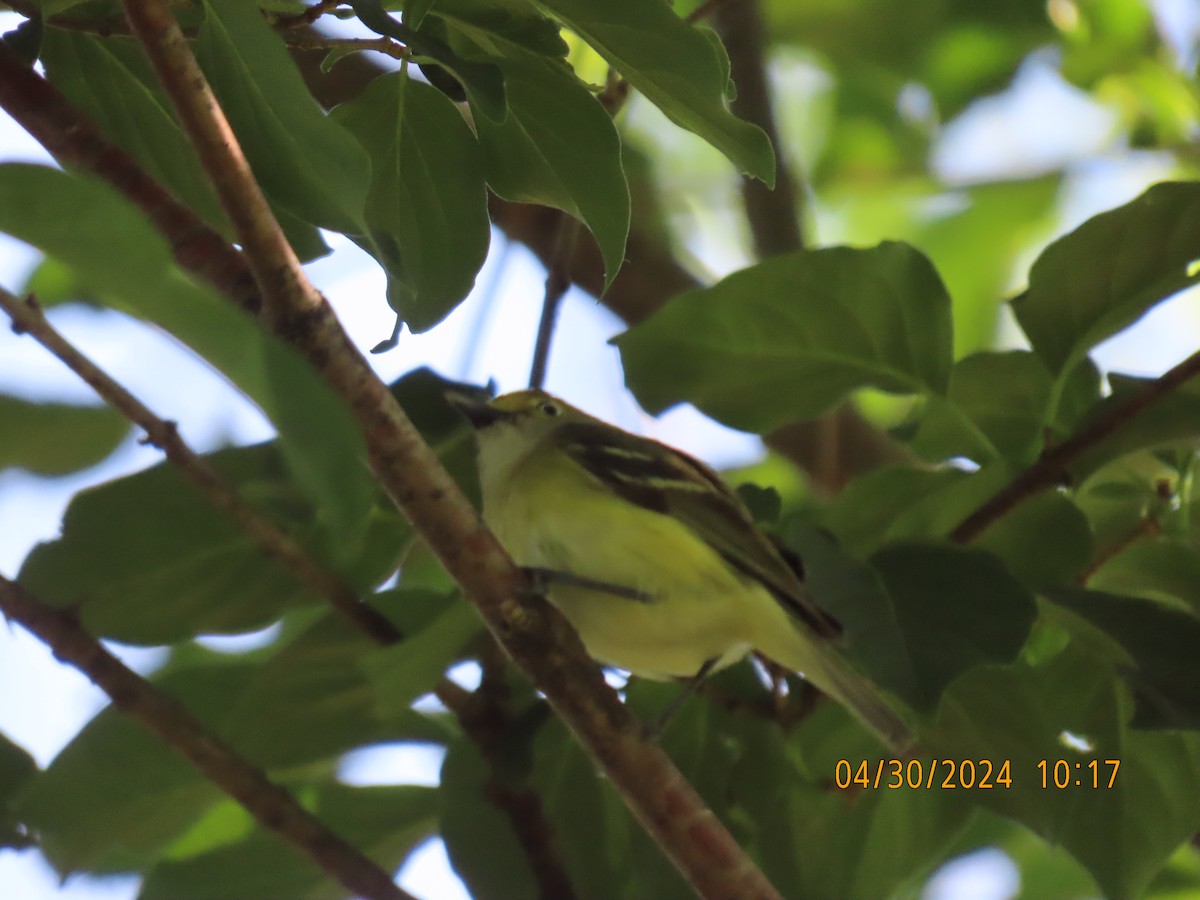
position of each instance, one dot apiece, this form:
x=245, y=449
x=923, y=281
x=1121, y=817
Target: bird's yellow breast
x=556, y=516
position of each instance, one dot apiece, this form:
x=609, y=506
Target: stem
x=1053, y=464
x=558, y=280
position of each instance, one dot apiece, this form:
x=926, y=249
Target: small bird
x=652, y=558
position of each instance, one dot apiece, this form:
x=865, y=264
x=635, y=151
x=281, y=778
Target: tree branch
x=558, y=280
x=75, y=141
x=478, y=718
x=537, y=637
x=28, y=318
x=270, y=805
x=1052, y=465
x=775, y=213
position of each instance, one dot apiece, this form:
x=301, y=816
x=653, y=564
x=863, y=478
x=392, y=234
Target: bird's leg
x=655, y=729
x=542, y=579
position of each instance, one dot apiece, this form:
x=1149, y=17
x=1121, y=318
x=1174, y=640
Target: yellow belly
x=700, y=608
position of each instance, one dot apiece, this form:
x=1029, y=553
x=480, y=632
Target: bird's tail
x=837, y=678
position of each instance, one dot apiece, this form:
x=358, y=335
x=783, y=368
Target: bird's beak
x=478, y=412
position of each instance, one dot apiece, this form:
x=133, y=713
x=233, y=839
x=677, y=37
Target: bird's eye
x=550, y=409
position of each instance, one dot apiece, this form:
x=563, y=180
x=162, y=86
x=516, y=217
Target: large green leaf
x=303, y=160
x=17, y=768
x=1018, y=714
x=591, y=827
x=116, y=795
x=817, y=840
x=480, y=840
x=1173, y=419
x=385, y=823
x=177, y=566
x=54, y=439
x=1109, y=271
x=403, y=672
x=311, y=701
x=112, y=80
x=681, y=69
x=996, y=407
x=901, y=502
x=791, y=336
x=1162, y=643
x=482, y=81
x=116, y=253
x=957, y=609
x=558, y=147
x=854, y=593
x=427, y=212
x=1165, y=568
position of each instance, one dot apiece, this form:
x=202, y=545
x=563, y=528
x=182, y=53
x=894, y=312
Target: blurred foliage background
x=1005, y=154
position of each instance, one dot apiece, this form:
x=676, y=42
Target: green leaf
x=111, y=79
x=177, y=566
x=116, y=795
x=1122, y=834
x=503, y=27
x=115, y=252
x=1162, y=643
x=681, y=69
x=1173, y=419
x=1020, y=539
x=856, y=596
x=386, y=823
x=55, y=439
x=17, y=768
x=1163, y=569
x=558, y=147
x=482, y=81
x=789, y=337
x=427, y=213
x=311, y=701
x=899, y=502
x=301, y=158
x=957, y=608
x=403, y=672
x=1101, y=277
x=591, y=827
x=996, y=407
x=816, y=840
x=480, y=840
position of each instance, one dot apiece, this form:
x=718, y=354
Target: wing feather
x=662, y=479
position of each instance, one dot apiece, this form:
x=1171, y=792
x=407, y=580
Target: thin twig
x=1147, y=527
x=272, y=806
x=774, y=214
x=704, y=10
x=558, y=280
x=310, y=15
x=1053, y=464
x=537, y=637
x=28, y=318
x=314, y=40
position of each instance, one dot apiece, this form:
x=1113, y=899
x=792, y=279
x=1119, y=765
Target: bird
x=653, y=559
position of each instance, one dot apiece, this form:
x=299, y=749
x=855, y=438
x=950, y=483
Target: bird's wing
x=662, y=479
